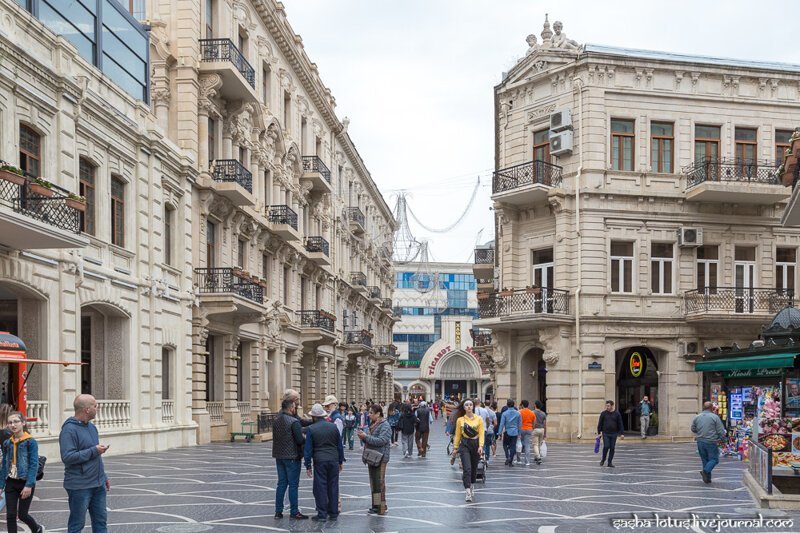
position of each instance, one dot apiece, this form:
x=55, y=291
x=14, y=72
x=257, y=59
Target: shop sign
x=637, y=364
x=752, y=373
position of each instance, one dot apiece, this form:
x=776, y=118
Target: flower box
x=483, y=296
x=506, y=292
x=533, y=290
x=12, y=177
x=41, y=190
x=78, y=205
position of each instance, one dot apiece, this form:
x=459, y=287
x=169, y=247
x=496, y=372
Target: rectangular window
x=266, y=75
x=165, y=374
x=212, y=139
x=117, y=211
x=265, y=266
x=622, y=139
x=211, y=248
x=707, y=268
x=541, y=146
x=86, y=174
x=287, y=112
x=662, y=140
x=168, y=213
x=136, y=9
x=209, y=19
x=240, y=254
x=30, y=151
x=661, y=256
x=287, y=281
x=86, y=355
x=746, y=145
x=782, y=142
x=706, y=143
x=785, y=261
x=621, y=267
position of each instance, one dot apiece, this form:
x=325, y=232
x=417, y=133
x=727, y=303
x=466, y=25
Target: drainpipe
x=579, y=83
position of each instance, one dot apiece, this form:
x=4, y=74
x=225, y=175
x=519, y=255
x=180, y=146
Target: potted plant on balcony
x=42, y=187
x=76, y=202
x=12, y=174
x=533, y=290
x=482, y=295
x=506, y=292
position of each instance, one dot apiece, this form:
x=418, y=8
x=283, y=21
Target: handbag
x=597, y=445
x=40, y=468
x=371, y=456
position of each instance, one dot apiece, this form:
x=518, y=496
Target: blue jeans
x=93, y=500
x=609, y=446
x=510, y=446
x=326, y=489
x=288, y=476
x=709, y=455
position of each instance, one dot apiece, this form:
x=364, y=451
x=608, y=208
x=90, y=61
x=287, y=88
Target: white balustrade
x=216, y=410
x=40, y=411
x=168, y=411
x=244, y=410
x=112, y=414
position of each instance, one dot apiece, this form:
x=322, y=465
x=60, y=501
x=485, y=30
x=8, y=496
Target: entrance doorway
x=533, y=377
x=637, y=377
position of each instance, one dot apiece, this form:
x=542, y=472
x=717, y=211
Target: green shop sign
x=753, y=373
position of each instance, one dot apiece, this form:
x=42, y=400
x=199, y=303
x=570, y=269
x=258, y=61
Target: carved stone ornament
x=551, y=358
x=499, y=354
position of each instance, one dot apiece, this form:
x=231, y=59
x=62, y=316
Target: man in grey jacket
x=708, y=429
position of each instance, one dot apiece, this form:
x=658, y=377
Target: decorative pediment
x=554, y=50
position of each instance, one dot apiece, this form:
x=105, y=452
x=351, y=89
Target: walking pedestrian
x=363, y=420
x=468, y=444
x=287, y=449
x=493, y=408
x=645, y=410
x=85, y=478
x=350, y=421
x=379, y=438
x=18, y=473
x=509, y=428
x=489, y=424
x=423, y=423
x=392, y=417
x=436, y=410
x=526, y=432
x=323, y=449
x=609, y=426
x=5, y=410
x=708, y=429
x=539, y=431
x=407, y=425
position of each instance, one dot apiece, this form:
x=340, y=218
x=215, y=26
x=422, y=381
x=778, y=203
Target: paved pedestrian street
x=230, y=488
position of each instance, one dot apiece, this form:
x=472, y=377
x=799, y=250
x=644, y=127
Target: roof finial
x=546, y=33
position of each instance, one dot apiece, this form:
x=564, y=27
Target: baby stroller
x=480, y=475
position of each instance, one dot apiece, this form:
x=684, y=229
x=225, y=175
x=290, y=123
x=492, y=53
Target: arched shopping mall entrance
x=637, y=377
x=453, y=373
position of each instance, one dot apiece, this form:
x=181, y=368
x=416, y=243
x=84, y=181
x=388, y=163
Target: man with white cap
x=324, y=447
x=331, y=405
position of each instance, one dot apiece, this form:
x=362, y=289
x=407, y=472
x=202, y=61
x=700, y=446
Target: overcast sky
x=416, y=79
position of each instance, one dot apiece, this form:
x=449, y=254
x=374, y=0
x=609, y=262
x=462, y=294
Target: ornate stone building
x=291, y=239
x=637, y=220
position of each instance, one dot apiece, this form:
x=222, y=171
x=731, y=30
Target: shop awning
x=775, y=360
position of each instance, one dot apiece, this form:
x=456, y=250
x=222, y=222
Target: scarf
x=13, y=470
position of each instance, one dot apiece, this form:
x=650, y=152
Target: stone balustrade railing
x=112, y=414
x=38, y=414
x=167, y=411
x=244, y=410
x=216, y=410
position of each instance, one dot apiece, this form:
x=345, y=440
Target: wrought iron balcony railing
x=374, y=292
x=358, y=279
x=484, y=256
x=388, y=350
x=363, y=337
x=317, y=319
x=282, y=214
x=524, y=174
x=317, y=244
x=355, y=214
x=534, y=301
x=737, y=300
x=731, y=170
x=386, y=303
x=50, y=210
x=313, y=163
x=225, y=50
x=481, y=337
x=231, y=170
x=224, y=280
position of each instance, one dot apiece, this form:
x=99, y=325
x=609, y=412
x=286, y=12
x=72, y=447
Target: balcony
x=385, y=253
x=317, y=327
x=232, y=181
x=386, y=303
x=30, y=220
x=483, y=268
x=221, y=56
x=387, y=352
x=228, y=291
x=374, y=294
x=724, y=304
x=315, y=171
x=481, y=338
x=529, y=308
x=318, y=250
x=283, y=221
x=361, y=338
x=525, y=184
x=358, y=222
x=734, y=181
x=359, y=281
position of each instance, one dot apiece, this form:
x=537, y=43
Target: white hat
x=317, y=411
x=329, y=399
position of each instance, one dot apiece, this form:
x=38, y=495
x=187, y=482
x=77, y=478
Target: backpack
x=350, y=421
x=40, y=469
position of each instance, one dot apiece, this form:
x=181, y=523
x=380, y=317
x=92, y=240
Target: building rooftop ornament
x=551, y=39
x=546, y=33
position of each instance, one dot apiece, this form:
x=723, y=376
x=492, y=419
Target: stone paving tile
x=230, y=488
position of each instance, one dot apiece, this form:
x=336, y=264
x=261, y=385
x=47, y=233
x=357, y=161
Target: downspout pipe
x=578, y=82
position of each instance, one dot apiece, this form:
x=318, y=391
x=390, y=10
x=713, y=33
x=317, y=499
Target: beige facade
x=291, y=240
x=98, y=289
x=658, y=232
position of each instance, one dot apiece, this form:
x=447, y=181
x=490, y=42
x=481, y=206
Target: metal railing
x=484, y=256
x=231, y=170
x=358, y=279
x=374, y=292
x=362, y=337
x=525, y=302
x=265, y=421
x=225, y=50
x=387, y=350
x=168, y=411
x=282, y=214
x=524, y=174
x=317, y=319
x=481, y=337
x=216, y=410
x=355, y=214
x=737, y=300
x=38, y=414
x=50, y=210
x=313, y=163
x=760, y=464
x=113, y=414
x=386, y=303
x=317, y=244
x=731, y=170
x=222, y=280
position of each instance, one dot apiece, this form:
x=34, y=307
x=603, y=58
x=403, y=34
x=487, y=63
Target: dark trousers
x=395, y=433
x=16, y=507
x=377, y=486
x=468, y=451
x=422, y=442
x=326, y=489
x=609, y=444
x=509, y=446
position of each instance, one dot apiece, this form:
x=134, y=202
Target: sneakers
x=468, y=495
x=298, y=516
x=278, y=515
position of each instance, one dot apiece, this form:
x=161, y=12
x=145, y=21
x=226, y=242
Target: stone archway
x=533, y=377
x=105, y=351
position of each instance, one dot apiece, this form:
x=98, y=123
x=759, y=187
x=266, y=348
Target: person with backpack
x=423, y=429
x=350, y=421
x=18, y=474
x=407, y=425
x=468, y=444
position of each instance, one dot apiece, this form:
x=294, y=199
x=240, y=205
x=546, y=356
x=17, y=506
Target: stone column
x=360, y=383
x=227, y=143
x=254, y=170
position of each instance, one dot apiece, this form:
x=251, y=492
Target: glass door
x=745, y=276
x=543, y=297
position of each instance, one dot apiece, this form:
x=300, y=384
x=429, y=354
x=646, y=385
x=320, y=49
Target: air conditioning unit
x=690, y=237
x=561, y=120
x=690, y=348
x=561, y=143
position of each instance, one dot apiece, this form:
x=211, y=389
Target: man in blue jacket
x=511, y=423
x=85, y=479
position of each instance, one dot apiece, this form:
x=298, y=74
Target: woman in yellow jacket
x=468, y=444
